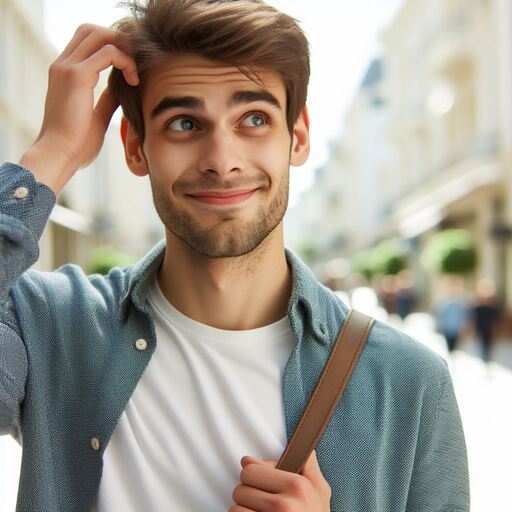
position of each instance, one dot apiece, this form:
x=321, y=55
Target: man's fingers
x=93, y=42
x=247, y=459
x=252, y=474
x=264, y=476
x=256, y=499
x=80, y=34
x=110, y=55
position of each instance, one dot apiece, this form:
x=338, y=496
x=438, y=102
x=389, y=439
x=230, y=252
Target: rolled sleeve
x=25, y=206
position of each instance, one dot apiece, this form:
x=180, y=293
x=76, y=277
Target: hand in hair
x=73, y=129
x=264, y=488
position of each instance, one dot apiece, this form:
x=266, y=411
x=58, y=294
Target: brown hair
x=241, y=33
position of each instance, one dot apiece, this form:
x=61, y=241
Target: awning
x=424, y=209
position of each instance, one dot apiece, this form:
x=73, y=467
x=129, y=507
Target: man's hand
x=73, y=129
x=267, y=489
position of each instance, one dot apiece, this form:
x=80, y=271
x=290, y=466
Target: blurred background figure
x=387, y=293
x=452, y=311
x=405, y=295
x=486, y=314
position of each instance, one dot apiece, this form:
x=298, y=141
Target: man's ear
x=300, y=140
x=135, y=158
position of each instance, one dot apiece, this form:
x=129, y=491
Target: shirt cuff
x=24, y=198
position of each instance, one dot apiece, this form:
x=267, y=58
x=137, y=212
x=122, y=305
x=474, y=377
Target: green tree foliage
x=308, y=251
x=387, y=257
x=451, y=251
x=105, y=258
x=362, y=264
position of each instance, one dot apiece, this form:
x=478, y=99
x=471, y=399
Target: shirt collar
x=305, y=310
x=139, y=280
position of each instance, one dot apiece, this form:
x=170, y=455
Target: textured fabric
x=69, y=366
x=207, y=397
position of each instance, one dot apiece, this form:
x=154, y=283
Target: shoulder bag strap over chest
x=329, y=388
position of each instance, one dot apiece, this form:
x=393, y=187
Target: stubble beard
x=228, y=237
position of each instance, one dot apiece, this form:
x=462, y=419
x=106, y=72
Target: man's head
x=217, y=119
x=243, y=33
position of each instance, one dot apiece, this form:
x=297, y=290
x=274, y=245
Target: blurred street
x=483, y=394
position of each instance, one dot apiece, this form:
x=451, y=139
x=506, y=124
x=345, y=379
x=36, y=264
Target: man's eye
x=181, y=124
x=255, y=120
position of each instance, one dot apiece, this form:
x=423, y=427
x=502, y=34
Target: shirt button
x=141, y=344
x=21, y=193
x=95, y=443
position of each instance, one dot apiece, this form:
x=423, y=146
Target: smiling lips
x=227, y=197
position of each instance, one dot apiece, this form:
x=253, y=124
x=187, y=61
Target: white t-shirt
x=207, y=397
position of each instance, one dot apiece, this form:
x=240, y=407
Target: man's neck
x=240, y=293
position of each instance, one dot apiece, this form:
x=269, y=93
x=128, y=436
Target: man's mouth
x=223, y=197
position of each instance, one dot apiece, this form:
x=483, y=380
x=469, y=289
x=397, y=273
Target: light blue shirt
x=70, y=360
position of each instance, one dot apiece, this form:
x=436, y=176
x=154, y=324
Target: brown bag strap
x=329, y=388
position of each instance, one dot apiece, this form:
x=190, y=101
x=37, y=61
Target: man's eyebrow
x=242, y=97
x=191, y=102
x=170, y=102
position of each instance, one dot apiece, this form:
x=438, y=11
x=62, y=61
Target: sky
x=343, y=36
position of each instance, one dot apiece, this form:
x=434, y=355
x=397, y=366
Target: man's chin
x=216, y=251
x=213, y=244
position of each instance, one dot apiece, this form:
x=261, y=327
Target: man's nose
x=221, y=153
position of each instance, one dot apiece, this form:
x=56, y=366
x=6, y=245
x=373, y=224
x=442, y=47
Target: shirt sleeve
x=25, y=206
x=440, y=478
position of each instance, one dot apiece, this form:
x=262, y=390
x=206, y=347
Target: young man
x=174, y=384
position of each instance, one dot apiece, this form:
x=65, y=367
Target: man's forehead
x=188, y=70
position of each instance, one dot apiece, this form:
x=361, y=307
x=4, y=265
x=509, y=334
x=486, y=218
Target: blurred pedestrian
x=485, y=315
x=387, y=293
x=405, y=298
x=452, y=312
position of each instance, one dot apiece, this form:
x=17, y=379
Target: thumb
x=106, y=106
x=312, y=472
x=247, y=459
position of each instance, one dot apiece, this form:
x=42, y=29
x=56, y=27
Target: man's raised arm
x=73, y=128
x=71, y=137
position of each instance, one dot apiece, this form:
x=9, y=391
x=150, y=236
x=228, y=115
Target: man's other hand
x=264, y=488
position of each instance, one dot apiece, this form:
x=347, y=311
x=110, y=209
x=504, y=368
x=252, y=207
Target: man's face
x=217, y=148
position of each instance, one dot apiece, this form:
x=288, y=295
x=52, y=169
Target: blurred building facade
x=103, y=204
x=426, y=143
x=24, y=59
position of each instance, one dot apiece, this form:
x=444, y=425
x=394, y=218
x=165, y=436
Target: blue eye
x=181, y=124
x=256, y=120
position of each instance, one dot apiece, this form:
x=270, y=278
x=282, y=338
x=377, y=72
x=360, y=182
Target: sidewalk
x=484, y=399
x=10, y=463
